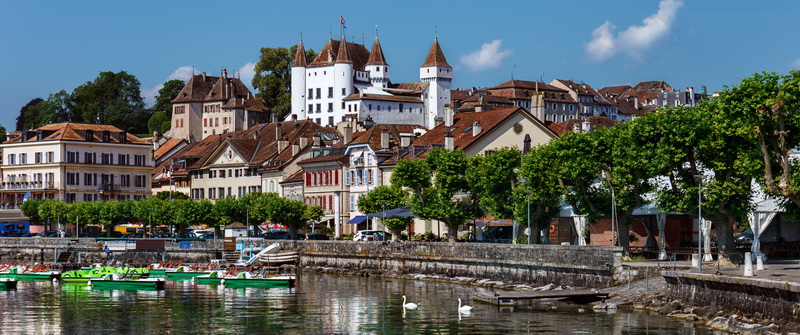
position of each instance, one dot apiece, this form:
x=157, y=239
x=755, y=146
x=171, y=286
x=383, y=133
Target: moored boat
x=184, y=273
x=247, y=279
x=83, y=276
x=36, y=272
x=213, y=278
x=113, y=281
x=8, y=284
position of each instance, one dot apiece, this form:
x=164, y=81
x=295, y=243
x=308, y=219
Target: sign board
x=185, y=244
x=120, y=245
x=240, y=245
x=150, y=244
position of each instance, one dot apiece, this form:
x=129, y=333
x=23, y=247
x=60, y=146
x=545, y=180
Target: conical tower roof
x=436, y=56
x=300, y=56
x=376, y=55
x=343, y=56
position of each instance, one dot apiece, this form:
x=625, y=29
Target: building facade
x=75, y=162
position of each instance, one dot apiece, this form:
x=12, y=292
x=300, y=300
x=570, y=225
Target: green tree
x=53, y=211
x=30, y=208
x=112, y=98
x=3, y=136
x=538, y=191
x=492, y=178
x=272, y=79
x=386, y=197
x=228, y=210
x=24, y=113
x=166, y=94
x=156, y=121
x=439, y=186
x=288, y=213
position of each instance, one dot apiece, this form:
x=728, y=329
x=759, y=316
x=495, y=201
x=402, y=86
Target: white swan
x=465, y=308
x=409, y=305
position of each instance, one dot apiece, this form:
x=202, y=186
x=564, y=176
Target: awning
x=399, y=212
x=357, y=219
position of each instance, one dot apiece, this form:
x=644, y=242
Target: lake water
x=319, y=304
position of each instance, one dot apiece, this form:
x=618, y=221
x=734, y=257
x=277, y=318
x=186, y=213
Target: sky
x=48, y=46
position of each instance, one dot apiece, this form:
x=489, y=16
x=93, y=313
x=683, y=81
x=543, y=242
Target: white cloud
x=636, y=40
x=489, y=56
x=246, y=73
x=795, y=65
x=182, y=73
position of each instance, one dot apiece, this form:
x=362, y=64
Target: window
x=330, y=120
x=347, y=178
x=140, y=181
x=330, y=107
x=37, y=158
x=389, y=108
x=319, y=121
x=310, y=107
x=344, y=91
x=311, y=93
x=379, y=107
x=352, y=202
x=50, y=156
x=23, y=158
x=330, y=92
x=319, y=108
x=319, y=93
x=342, y=105
x=369, y=107
x=401, y=108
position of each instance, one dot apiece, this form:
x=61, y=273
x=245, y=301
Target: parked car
x=372, y=235
x=317, y=237
x=165, y=235
x=746, y=237
x=276, y=235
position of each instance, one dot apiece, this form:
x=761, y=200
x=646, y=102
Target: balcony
x=33, y=185
x=108, y=188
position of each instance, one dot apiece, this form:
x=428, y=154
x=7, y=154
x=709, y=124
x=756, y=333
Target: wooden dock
x=517, y=298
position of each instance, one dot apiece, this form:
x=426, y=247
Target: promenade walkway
x=777, y=269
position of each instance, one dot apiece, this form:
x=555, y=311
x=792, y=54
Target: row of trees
x=729, y=145
x=176, y=210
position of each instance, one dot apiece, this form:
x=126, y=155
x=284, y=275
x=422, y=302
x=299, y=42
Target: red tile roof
x=296, y=177
x=343, y=56
x=372, y=136
x=357, y=53
x=196, y=89
x=167, y=147
x=300, y=56
x=435, y=56
x=73, y=131
x=376, y=55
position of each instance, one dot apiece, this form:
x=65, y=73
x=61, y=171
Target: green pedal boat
x=247, y=279
x=83, y=276
x=114, y=281
x=26, y=273
x=184, y=273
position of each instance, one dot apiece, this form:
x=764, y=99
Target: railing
x=34, y=185
x=109, y=188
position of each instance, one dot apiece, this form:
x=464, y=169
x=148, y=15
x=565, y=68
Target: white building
x=347, y=80
x=75, y=162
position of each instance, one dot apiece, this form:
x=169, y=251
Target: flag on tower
x=341, y=21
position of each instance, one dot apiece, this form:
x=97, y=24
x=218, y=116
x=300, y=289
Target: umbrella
x=400, y=212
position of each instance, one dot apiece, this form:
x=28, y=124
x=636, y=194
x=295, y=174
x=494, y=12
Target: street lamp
x=247, y=224
x=528, y=198
x=383, y=209
x=699, y=178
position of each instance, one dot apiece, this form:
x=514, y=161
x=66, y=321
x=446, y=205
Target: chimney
x=449, y=142
x=576, y=127
x=317, y=140
x=278, y=131
x=282, y=144
x=348, y=133
x=587, y=126
x=448, y=117
x=295, y=148
x=204, y=76
x=224, y=74
x=437, y=121
x=384, y=139
x=537, y=106
x=476, y=129
x=636, y=103
x=303, y=141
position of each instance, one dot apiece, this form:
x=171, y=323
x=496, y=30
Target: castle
x=346, y=81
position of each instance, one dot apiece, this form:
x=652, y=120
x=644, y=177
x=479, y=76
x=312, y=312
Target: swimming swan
x=409, y=305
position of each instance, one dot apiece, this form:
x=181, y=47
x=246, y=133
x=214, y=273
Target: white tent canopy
x=760, y=220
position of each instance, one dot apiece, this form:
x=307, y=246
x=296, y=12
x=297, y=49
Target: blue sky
x=53, y=45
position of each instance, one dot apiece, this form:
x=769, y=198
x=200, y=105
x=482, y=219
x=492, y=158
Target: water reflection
x=319, y=304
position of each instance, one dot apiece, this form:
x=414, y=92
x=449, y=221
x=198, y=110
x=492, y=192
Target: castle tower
x=299, y=82
x=439, y=74
x=377, y=66
x=342, y=79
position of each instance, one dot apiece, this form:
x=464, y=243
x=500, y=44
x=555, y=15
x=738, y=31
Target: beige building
x=214, y=105
x=75, y=162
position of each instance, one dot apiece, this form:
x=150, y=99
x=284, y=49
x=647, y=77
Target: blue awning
x=358, y=219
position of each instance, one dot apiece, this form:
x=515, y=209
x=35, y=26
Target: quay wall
x=582, y=266
x=775, y=299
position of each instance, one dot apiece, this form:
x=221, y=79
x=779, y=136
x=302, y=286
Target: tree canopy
x=383, y=198
x=272, y=80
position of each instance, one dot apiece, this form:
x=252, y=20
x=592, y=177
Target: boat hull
x=31, y=276
x=158, y=273
x=184, y=275
x=8, y=284
x=140, y=284
x=259, y=282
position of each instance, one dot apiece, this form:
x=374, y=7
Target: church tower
x=377, y=67
x=299, y=82
x=439, y=75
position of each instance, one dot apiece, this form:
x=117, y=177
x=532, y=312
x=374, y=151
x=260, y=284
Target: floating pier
x=519, y=298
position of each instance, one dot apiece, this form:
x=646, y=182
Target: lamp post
x=383, y=209
x=699, y=178
x=528, y=198
x=247, y=224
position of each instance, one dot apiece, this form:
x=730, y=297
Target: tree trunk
x=396, y=232
x=725, y=244
x=292, y=232
x=452, y=231
x=624, y=232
